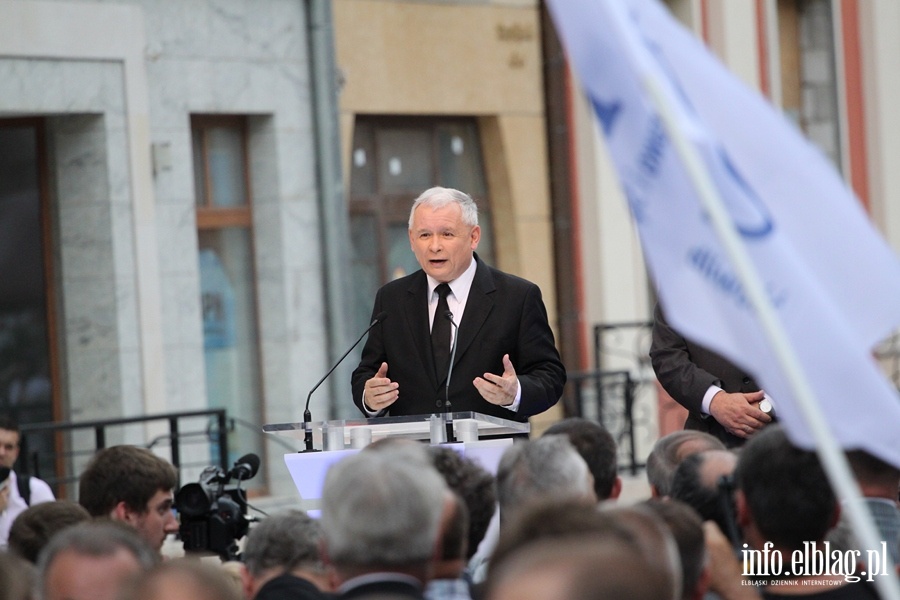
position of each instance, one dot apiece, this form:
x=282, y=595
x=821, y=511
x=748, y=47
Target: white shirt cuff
x=707, y=398
x=515, y=405
x=371, y=413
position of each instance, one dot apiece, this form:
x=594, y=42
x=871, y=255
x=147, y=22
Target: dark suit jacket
x=504, y=315
x=686, y=370
x=290, y=587
x=383, y=590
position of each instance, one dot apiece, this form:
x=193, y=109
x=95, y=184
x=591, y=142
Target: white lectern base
x=308, y=469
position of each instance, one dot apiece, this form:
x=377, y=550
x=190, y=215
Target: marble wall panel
x=175, y=184
x=269, y=235
x=127, y=316
x=229, y=29
x=185, y=377
x=85, y=235
x=80, y=163
x=94, y=324
x=296, y=160
x=39, y=85
x=121, y=219
x=130, y=374
x=306, y=313
x=94, y=384
x=282, y=87
x=302, y=232
x=117, y=161
x=168, y=93
x=94, y=86
x=31, y=84
x=273, y=302
x=181, y=310
x=177, y=239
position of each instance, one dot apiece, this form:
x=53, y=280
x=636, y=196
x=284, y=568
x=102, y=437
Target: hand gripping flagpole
x=833, y=459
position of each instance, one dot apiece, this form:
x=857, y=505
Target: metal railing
x=34, y=461
x=604, y=347
x=607, y=397
x=607, y=394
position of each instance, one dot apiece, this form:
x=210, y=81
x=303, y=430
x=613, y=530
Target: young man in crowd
x=132, y=485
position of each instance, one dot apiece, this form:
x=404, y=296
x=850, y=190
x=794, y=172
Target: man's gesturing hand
x=380, y=392
x=499, y=389
x=739, y=413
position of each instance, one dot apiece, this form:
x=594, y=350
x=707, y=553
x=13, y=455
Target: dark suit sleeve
x=536, y=359
x=373, y=355
x=675, y=368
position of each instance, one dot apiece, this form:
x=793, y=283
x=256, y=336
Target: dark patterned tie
x=440, y=333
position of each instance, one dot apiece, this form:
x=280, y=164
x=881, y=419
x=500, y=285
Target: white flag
x=833, y=281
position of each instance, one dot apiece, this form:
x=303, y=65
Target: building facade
x=159, y=187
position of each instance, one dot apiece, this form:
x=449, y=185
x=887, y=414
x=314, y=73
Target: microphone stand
x=307, y=420
x=307, y=415
x=449, y=412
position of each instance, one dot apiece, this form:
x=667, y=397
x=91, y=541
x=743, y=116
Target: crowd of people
x=403, y=519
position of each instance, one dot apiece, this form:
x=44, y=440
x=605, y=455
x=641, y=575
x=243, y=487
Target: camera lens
x=192, y=501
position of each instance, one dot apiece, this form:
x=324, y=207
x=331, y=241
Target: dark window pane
x=411, y=155
x=199, y=168
x=362, y=161
x=25, y=385
x=21, y=238
x=404, y=160
x=486, y=245
x=401, y=260
x=459, y=158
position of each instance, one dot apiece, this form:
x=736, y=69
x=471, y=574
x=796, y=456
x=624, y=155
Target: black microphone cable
x=450, y=437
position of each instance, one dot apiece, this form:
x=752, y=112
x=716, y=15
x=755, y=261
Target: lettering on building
x=515, y=33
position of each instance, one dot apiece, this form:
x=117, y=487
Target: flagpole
x=834, y=461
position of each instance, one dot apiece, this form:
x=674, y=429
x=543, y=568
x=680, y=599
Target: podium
x=481, y=437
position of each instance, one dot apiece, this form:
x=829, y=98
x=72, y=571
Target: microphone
x=307, y=416
x=449, y=316
x=245, y=467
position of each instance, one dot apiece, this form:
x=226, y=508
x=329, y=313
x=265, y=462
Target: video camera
x=213, y=513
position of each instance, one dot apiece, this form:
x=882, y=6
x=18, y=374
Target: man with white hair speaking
x=491, y=324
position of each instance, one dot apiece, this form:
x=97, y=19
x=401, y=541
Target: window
x=28, y=367
x=227, y=276
x=393, y=160
x=808, y=73
x=28, y=390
